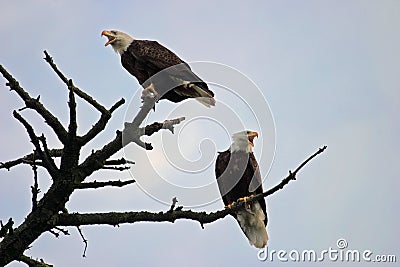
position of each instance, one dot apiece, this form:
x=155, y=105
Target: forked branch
x=35, y=104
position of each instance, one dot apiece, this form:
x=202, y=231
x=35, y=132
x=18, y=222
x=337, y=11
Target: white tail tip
x=251, y=220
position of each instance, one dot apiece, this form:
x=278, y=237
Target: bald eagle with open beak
x=238, y=177
x=161, y=72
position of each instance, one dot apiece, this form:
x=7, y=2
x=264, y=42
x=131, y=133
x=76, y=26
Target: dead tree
x=48, y=213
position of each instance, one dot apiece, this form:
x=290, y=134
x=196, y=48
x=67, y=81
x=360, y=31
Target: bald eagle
x=161, y=73
x=238, y=177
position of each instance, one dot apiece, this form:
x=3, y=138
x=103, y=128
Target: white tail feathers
x=197, y=93
x=251, y=220
x=204, y=97
x=206, y=101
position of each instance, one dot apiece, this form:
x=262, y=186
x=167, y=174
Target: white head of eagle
x=243, y=141
x=118, y=40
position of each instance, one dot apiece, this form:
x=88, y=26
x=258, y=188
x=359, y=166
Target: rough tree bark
x=49, y=212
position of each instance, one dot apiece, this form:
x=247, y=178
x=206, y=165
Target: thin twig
x=49, y=60
x=115, y=168
x=290, y=177
x=51, y=231
x=84, y=241
x=65, y=232
x=121, y=161
x=174, y=201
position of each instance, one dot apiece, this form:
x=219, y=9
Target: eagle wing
x=256, y=183
x=223, y=180
x=144, y=58
x=153, y=54
x=155, y=57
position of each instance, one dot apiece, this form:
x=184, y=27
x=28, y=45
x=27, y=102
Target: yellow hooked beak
x=251, y=136
x=111, y=37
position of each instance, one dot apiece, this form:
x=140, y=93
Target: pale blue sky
x=328, y=69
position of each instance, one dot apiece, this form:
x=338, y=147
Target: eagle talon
x=244, y=200
x=230, y=205
x=149, y=92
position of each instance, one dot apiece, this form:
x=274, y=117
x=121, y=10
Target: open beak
x=111, y=37
x=251, y=137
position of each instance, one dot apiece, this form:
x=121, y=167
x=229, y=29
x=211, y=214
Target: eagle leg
x=150, y=92
x=230, y=205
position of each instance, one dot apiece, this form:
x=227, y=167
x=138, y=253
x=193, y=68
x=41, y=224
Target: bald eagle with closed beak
x=159, y=71
x=239, y=177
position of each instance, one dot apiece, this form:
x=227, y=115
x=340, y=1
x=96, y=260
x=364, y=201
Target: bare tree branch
x=48, y=162
x=285, y=181
x=49, y=60
x=96, y=184
x=28, y=159
x=48, y=159
x=36, y=105
x=148, y=105
x=114, y=164
x=33, y=263
x=72, y=127
x=132, y=132
x=116, y=218
x=101, y=123
x=96, y=160
x=60, y=230
x=120, y=161
x=115, y=168
x=35, y=187
x=156, y=126
x=67, y=82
